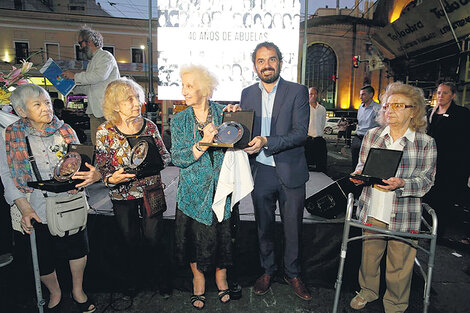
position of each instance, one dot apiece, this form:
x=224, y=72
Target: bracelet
x=106, y=181
x=198, y=147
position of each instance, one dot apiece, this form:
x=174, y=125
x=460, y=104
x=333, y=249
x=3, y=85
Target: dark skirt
x=207, y=246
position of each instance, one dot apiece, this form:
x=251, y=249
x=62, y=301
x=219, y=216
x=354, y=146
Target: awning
x=423, y=26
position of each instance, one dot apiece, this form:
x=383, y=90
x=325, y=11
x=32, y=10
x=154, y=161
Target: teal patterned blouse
x=198, y=178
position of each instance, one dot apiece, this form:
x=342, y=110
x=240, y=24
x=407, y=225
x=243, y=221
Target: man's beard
x=87, y=51
x=272, y=78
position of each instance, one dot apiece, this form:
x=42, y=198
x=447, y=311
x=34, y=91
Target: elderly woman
x=48, y=138
x=396, y=204
x=200, y=238
x=122, y=109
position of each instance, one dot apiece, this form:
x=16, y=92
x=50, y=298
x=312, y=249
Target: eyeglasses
x=80, y=42
x=396, y=106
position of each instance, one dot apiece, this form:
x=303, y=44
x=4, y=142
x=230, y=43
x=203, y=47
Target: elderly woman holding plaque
x=128, y=147
x=34, y=146
x=395, y=203
x=201, y=239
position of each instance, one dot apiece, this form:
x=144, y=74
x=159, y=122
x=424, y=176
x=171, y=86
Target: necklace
x=201, y=125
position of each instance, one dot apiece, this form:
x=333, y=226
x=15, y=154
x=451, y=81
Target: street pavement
x=450, y=285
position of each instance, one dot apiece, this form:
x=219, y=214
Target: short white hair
x=23, y=93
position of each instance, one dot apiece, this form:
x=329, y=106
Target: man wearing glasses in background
x=101, y=70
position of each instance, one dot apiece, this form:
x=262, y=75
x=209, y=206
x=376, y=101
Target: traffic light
x=355, y=61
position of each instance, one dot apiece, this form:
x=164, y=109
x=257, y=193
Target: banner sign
x=424, y=25
x=221, y=35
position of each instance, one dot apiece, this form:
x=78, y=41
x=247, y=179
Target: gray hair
x=415, y=95
x=207, y=81
x=23, y=93
x=88, y=34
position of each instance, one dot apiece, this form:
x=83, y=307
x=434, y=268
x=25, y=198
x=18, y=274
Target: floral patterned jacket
x=113, y=152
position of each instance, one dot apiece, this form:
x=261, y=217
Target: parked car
x=331, y=125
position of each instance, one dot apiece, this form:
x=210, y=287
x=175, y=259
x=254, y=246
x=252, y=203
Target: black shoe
x=235, y=291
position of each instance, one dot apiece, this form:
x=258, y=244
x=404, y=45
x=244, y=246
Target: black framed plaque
x=145, y=157
x=243, y=118
x=72, y=162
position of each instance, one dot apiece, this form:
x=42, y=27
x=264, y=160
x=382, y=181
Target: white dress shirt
x=267, y=105
x=101, y=70
x=317, y=121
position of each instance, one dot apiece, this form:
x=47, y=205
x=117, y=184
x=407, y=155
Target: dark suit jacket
x=289, y=126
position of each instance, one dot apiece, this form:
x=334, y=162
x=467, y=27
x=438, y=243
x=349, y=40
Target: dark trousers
x=355, y=149
x=267, y=191
x=142, y=240
x=316, y=153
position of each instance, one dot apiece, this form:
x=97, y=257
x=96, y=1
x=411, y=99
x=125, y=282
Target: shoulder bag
x=66, y=215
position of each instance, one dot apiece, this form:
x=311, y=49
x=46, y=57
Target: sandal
x=222, y=293
x=84, y=307
x=201, y=298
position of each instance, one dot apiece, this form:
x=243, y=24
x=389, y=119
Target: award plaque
x=70, y=163
x=229, y=133
x=138, y=155
x=235, y=131
x=67, y=167
x=145, y=159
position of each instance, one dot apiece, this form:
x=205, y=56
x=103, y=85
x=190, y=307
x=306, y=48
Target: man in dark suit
x=278, y=163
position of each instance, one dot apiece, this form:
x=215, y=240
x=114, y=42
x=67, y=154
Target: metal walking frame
x=430, y=233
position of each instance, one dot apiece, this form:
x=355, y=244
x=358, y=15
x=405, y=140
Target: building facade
x=340, y=56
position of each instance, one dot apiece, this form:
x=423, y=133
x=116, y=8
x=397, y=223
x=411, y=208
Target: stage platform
x=316, y=183
x=321, y=238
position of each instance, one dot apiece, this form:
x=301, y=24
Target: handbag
x=67, y=214
x=154, y=199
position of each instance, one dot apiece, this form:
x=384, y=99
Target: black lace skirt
x=208, y=246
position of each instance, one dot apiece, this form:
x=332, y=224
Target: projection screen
x=221, y=35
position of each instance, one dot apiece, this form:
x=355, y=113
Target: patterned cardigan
x=198, y=178
x=113, y=152
x=417, y=168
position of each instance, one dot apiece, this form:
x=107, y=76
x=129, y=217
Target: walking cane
x=37, y=278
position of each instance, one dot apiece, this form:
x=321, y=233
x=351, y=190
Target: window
x=110, y=49
x=79, y=55
x=52, y=51
x=319, y=72
x=137, y=55
x=21, y=51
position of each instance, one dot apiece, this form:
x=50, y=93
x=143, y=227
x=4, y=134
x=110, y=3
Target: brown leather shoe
x=262, y=285
x=299, y=288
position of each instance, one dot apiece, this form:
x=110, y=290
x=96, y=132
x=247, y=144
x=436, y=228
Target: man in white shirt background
x=101, y=70
x=315, y=147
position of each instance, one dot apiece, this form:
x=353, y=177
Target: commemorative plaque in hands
x=235, y=130
x=72, y=162
x=145, y=159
